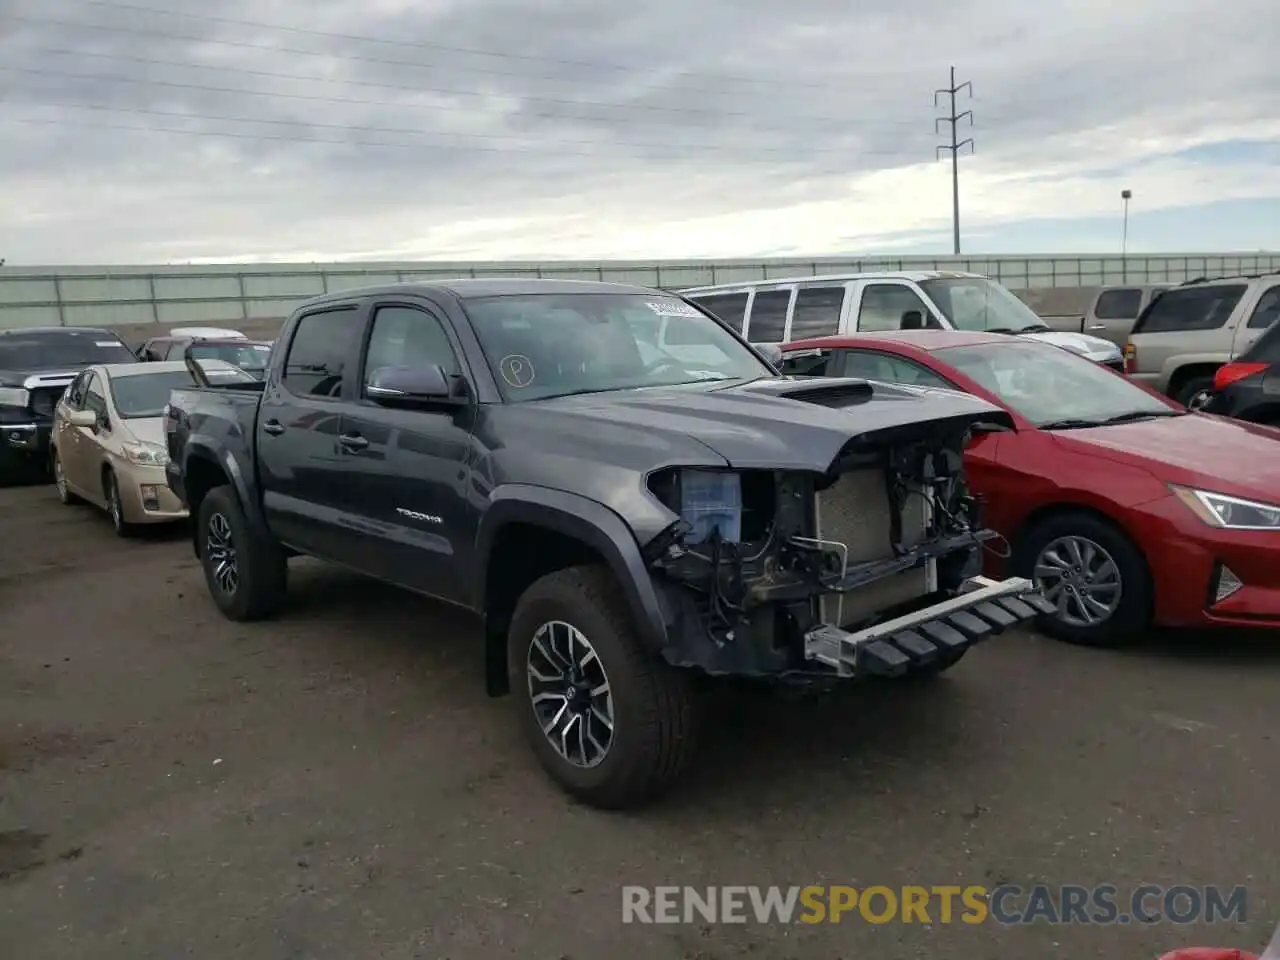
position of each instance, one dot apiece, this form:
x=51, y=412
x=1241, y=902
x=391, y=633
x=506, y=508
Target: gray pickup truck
x=624, y=519
x=1111, y=313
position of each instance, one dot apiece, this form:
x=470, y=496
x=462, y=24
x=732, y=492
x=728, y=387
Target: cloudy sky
x=508, y=129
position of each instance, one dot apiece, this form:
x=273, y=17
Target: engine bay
x=759, y=558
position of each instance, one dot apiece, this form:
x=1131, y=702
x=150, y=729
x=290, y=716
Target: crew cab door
x=1114, y=313
x=299, y=462
x=407, y=470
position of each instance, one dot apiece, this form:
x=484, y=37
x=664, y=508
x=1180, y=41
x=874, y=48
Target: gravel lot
x=336, y=784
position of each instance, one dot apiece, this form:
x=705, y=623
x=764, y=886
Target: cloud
x=496, y=129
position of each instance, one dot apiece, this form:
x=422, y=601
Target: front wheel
x=115, y=506
x=246, y=573
x=609, y=721
x=1095, y=576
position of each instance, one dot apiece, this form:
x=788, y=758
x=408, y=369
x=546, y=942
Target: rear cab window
x=1118, y=304
x=1190, y=308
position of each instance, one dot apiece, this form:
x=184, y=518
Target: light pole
x=1125, y=195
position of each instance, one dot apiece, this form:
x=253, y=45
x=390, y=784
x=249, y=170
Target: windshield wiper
x=1133, y=415
x=1070, y=423
x=1036, y=328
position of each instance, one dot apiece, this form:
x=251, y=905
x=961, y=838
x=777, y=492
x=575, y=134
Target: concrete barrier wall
x=146, y=301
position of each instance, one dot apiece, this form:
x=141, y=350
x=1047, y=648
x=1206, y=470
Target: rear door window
x=817, y=312
x=769, y=316
x=729, y=307
x=1191, y=308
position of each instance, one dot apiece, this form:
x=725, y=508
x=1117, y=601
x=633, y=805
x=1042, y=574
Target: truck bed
x=220, y=418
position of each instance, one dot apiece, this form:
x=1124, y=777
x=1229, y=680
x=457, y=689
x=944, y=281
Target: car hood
x=1197, y=450
x=41, y=376
x=146, y=429
x=775, y=424
x=1095, y=348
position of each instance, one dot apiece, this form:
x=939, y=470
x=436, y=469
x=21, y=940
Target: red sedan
x=1127, y=509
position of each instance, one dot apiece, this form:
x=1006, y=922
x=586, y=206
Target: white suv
x=780, y=311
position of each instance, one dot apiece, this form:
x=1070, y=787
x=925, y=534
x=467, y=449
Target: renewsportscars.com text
x=1006, y=904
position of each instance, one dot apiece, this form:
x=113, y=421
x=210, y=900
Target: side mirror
x=771, y=352
x=83, y=418
x=409, y=386
x=912, y=320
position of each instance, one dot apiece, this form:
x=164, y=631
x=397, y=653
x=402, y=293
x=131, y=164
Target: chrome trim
x=37, y=380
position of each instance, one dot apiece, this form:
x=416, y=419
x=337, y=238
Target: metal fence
x=231, y=293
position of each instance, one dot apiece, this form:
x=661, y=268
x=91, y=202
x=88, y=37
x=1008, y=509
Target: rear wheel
x=609, y=721
x=246, y=573
x=60, y=479
x=1195, y=392
x=1095, y=576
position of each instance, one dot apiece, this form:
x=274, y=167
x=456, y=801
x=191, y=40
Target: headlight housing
x=1229, y=513
x=14, y=397
x=146, y=454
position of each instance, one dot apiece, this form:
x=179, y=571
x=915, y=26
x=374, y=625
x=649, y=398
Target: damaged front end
x=871, y=567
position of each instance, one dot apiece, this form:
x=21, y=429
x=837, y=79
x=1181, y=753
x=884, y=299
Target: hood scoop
x=846, y=393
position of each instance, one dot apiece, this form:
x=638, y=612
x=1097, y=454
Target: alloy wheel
x=114, y=507
x=1081, y=578
x=220, y=552
x=570, y=694
x=1199, y=399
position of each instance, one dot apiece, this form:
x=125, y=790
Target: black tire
x=1132, y=615
x=115, y=507
x=1189, y=389
x=65, y=496
x=653, y=705
x=258, y=565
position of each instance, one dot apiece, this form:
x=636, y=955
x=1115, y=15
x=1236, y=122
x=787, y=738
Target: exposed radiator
x=855, y=511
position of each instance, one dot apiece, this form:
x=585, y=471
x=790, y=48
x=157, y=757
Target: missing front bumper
x=984, y=608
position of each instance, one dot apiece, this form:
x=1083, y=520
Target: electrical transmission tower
x=954, y=148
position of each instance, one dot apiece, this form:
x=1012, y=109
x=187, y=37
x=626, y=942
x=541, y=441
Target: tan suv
x=1189, y=331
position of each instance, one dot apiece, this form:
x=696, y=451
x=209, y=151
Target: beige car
x=108, y=443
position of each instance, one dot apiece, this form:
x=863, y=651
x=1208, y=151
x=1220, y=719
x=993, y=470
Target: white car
x=796, y=308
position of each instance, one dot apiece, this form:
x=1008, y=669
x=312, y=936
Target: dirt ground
x=337, y=785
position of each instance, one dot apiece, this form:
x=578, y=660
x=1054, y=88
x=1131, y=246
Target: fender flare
x=583, y=519
x=223, y=459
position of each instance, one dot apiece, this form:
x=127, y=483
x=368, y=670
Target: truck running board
x=984, y=608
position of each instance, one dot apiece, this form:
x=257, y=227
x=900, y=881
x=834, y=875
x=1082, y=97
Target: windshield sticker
x=105, y=343
x=517, y=370
x=672, y=308
x=262, y=348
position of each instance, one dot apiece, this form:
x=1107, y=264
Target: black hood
x=776, y=423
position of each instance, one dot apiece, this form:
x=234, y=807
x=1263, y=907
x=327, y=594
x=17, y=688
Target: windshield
x=250, y=357
x=976, y=303
x=1046, y=384
x=548, y=345
x=145, y=394
x=35, y=351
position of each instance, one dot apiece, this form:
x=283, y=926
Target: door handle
x=273, y=427
x=1097, y=326
x=353, y=441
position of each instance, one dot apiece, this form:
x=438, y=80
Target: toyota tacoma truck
x=626, y=520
